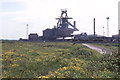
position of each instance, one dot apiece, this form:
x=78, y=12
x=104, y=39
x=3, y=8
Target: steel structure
x=107, y=26
x=94, y=26
x=62, y=29
x=27, y=32
x=63, y=21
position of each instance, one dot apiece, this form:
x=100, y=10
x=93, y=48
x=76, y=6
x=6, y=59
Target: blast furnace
x=62, y=29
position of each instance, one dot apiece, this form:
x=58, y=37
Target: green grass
x=55, y=60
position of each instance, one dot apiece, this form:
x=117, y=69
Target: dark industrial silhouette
x=62, y=29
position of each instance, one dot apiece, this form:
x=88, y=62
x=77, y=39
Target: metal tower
x=27, y=32
x=63, y=21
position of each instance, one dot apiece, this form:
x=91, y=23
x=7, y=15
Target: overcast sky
x=41, y=14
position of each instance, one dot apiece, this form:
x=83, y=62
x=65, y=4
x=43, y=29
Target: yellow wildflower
x=42, y=77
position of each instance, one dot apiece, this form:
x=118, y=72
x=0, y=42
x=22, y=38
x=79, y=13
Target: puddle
x=97, y=49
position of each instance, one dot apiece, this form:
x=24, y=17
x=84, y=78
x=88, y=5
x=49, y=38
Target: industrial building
x=33, y=37
x=62, y=31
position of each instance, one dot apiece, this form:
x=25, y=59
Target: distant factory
x=62, y=31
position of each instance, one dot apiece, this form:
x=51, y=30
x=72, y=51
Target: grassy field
x=55, y=60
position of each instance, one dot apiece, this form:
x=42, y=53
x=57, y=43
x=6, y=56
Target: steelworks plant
x=62, y=30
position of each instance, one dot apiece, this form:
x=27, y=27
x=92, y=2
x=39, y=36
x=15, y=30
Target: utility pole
x=107, y=26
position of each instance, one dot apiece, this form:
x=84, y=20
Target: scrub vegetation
x=56, y=60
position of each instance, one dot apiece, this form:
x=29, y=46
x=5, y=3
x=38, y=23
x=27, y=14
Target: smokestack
x=74, y=23
x=107, y=26
x=94, y=26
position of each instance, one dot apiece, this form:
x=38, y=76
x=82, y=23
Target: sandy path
x=98, y=49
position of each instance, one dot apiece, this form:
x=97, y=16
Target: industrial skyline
x=41, y=14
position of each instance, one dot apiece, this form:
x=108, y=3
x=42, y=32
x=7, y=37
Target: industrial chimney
x=107, y=26
x=94, y=26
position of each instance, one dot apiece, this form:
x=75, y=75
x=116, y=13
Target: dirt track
x=98, y=49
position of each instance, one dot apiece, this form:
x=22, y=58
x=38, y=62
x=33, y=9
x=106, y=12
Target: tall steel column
x=107, y=26
x=94, y=26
